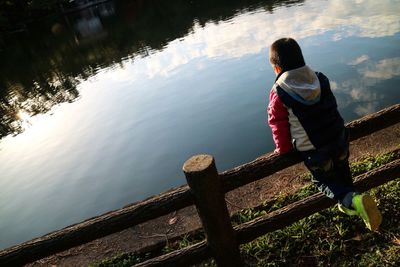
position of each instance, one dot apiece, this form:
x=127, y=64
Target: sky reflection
x=251, y=33
x=362, y=89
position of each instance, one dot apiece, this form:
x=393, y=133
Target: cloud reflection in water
x=362, y=90
x=251, y=33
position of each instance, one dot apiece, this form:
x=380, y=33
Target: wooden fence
x=207, y=189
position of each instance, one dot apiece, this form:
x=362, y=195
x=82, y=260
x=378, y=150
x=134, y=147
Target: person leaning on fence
x=303, y=115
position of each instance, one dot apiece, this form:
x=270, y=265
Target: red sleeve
x=278, y=120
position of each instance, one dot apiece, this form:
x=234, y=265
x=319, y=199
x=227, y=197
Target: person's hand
x=280, y=152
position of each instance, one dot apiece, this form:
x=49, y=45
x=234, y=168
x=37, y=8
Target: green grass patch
x=122, y=260
x=184, y=242
x=330, y=238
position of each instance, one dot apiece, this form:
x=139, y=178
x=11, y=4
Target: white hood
x=302, y=84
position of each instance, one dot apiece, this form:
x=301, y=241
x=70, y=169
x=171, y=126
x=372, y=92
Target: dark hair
x=286, y=54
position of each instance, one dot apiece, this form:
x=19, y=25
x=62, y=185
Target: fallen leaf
x=173, y=220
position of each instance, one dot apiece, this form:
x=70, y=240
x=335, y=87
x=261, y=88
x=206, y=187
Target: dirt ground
x=186, y=219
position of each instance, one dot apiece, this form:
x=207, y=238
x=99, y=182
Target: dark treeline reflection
x=42, y=66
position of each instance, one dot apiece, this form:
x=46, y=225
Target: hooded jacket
x=302, y=111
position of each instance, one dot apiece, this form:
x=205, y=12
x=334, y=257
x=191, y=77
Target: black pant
x=330, y=169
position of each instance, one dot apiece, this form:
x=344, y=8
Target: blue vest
x=321, y=121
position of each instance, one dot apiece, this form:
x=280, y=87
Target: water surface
x=101, y=108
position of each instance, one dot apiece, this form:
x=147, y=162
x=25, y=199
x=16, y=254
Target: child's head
x=285, y=54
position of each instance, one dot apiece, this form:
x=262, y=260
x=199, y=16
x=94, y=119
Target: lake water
x=102, y=107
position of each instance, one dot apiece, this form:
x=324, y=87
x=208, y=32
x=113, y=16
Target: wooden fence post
x=205, y=183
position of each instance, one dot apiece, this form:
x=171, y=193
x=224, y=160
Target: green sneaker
x=366, y=208
x=347, y=211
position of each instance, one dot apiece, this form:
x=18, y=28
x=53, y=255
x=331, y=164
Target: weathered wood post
x=206, y=186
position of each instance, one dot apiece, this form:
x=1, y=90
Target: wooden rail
x=281, y=218
x=183, y=257
x=162, y=243
x=303, y=208
x=205, y=183
x=172, y=200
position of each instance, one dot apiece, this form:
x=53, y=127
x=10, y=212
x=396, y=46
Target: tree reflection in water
x=31, y=100
x=42, y=66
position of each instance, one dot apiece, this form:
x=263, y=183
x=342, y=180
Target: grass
x=121, y=260
x=330, y=238
x=185, y=241
x=327, y=238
